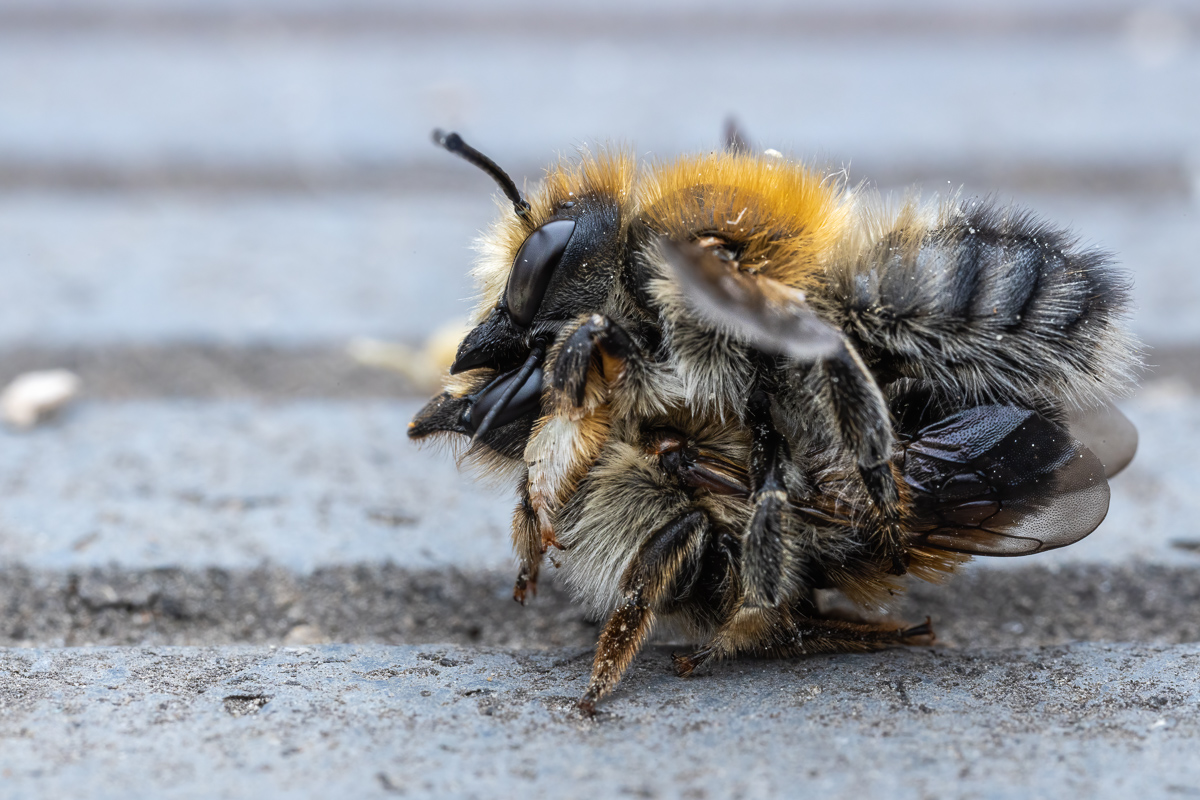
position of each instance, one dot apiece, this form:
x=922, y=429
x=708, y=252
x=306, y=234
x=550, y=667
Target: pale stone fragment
x=33, y=396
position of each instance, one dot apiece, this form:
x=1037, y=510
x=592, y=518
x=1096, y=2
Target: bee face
x=554, y=258
x=726, y=382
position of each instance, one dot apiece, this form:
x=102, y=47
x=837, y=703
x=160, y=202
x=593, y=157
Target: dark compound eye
x=533, y=268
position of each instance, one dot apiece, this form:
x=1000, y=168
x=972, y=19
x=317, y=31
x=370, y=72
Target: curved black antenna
x=735, y=138
x=454, y=143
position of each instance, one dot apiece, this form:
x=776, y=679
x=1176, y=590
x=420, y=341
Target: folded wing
x=1001, y=480
x=755, y=309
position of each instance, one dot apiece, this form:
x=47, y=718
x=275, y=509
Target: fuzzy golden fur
x=958, y=303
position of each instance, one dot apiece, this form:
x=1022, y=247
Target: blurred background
x=210, y=209
x=203, y=203
x=260, y=172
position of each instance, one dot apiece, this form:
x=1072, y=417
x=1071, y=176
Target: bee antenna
x=455, y=144
x=735, y=138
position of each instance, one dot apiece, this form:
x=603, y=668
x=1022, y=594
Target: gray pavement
x=368, y=95
x=1031, y=606
x=300, y=270
x=302, y=484
x=370, y=721
x=151, y=484
x=201, y=203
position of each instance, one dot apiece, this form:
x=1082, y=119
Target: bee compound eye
x=533, y=268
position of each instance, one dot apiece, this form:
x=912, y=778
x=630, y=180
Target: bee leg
x=557, y=457
x=762, y=549
x=735, y=137
x=528, y=544
x=781, y=633
x=620, y=355
x=567, y=440
x=807, y=636
x=667, y=559
x=746, y=627
x=863, y=421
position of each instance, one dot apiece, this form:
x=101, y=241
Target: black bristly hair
x=455, y=144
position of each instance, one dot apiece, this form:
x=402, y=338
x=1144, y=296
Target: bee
x=728, y=381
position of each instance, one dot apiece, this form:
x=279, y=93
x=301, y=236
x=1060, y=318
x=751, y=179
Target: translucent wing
x=761, y=311
x=1002, y=481
x=1108, y=433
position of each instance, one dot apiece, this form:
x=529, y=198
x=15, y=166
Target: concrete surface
x=238, y=484
x=303, y=270
x=369, y=721
x=300, y=484
x=1030, y=606
x=367, y=95
x=201, y=203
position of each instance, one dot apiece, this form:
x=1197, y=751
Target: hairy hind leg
x=862, y=418
x=667, y=560
x=527, y=543
x=763, y=568
x=565, y=442
x=780, y=633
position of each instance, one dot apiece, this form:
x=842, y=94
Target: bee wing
x=758, y=310
x=1108, y=433
x=1003, y=481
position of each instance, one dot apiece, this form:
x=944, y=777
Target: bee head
x=553, y=258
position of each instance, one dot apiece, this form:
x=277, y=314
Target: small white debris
x=34, y=396
x=772, y=152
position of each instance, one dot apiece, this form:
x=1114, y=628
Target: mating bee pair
x=728, y=381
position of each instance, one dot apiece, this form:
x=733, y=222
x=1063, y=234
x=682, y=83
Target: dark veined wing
x=758, y=310
x=1002, y=481
x=1108, y=433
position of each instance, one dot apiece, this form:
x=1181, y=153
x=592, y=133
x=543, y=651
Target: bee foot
x=922, y=634
x=898, y=554
x=587, y=704
x=685, y=665
x=526, y=585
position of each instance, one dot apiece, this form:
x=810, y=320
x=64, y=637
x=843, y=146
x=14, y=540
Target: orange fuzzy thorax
x=783, y=217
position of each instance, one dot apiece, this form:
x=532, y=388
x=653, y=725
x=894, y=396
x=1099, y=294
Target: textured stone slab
x=321, y=483
x=372, y=603
x=299, y=485
x=363, y=721
x=287, y=10
x=295, y=270
x=91, y=268
x=373, y=97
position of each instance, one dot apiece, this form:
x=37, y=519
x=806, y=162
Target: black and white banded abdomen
x=988, y=304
